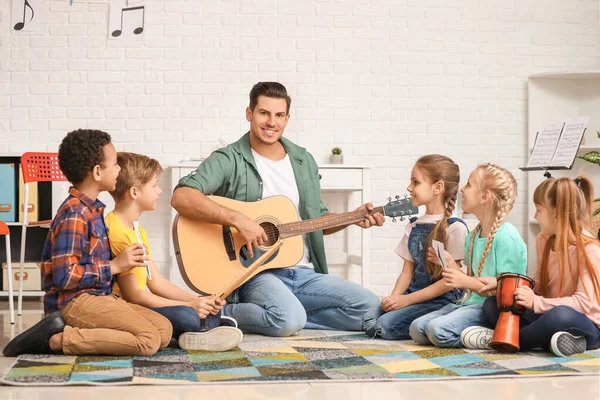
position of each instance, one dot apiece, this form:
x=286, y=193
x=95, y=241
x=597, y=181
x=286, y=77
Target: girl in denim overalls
x=493, y=247
x=419, y=290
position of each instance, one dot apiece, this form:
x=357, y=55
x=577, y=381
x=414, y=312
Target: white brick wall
x=388, y=80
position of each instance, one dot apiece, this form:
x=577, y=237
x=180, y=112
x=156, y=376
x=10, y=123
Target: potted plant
x=594, y=158
x=336, y=156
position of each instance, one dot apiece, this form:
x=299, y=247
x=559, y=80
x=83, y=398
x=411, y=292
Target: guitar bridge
x=228, y=242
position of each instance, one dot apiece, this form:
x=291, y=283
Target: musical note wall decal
x=20, y=11
x=131, y=11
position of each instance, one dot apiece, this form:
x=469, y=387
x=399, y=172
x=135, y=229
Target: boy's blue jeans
x=186, y=319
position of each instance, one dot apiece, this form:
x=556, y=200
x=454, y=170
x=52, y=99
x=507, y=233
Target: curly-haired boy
x=82, y=314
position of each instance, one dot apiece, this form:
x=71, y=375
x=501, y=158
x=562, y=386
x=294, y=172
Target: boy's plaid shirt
x=76, y=256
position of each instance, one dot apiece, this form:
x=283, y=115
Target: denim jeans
x=537, y=329
x=394, y=325
x=281, y=302
x=186, y=319
x=443, y=327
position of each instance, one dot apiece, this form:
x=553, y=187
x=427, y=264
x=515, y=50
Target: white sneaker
x=476, y=337
x=221, y=338
x=563, y=344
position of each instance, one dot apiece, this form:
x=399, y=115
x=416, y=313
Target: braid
x=469, y=258
x=488, y=243
x=450, y=206
x=469, y=255
x=505, y=195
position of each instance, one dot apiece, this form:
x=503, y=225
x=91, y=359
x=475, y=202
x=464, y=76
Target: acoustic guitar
x=214, y=259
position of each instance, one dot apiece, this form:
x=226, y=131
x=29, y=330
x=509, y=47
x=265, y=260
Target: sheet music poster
x=126, y=22
x=557, y=143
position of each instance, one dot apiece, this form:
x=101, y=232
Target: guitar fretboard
x=328, y=221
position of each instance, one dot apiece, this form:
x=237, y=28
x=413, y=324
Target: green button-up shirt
x=231, y=172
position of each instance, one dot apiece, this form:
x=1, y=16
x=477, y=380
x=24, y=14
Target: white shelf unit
x=554, y=97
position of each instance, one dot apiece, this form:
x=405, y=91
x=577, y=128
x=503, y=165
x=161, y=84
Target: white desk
x=334, y=178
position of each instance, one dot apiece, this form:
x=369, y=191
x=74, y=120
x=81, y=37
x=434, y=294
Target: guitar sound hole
x=272, y=233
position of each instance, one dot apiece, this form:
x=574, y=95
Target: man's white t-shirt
x=279, y=180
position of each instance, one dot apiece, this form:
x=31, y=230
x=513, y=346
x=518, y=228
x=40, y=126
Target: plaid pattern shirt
x=76, y=256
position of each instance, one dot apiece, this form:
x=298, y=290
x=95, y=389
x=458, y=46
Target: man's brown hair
x=136, y=170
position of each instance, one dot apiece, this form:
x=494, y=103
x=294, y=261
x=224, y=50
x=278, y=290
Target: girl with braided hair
x=419, y=288
x=563, y=310
x=494, y=246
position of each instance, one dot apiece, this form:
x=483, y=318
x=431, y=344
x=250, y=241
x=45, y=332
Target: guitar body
x=210, y=256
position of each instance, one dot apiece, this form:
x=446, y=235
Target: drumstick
x=253, y=267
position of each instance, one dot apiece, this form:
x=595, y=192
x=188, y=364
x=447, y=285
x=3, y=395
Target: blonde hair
x=438, y=168
x=571, y=200
x=502, y=186
x=136, y=170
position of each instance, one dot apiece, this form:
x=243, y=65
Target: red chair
x=4, y=231
x=37, y=167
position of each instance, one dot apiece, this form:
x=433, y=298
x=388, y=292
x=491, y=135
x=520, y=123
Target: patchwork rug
x=307, y=356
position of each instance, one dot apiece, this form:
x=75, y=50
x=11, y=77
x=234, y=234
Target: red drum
x=506, y=334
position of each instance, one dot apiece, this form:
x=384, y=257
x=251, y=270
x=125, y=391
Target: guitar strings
x=323, y=220
x=271, y=231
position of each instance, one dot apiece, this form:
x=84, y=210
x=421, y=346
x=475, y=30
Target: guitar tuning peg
x=397, y=197
x=402, y=218
x=405, y=196
x=389, y=199
x=394, y=219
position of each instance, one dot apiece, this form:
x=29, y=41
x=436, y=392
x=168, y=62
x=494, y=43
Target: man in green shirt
x=276, y=302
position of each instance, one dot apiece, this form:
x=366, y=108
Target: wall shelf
x=554, y=97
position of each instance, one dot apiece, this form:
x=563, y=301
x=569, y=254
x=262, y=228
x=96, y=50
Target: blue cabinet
x=8, y=189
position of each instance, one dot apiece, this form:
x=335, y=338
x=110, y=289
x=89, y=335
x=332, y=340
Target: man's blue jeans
x=283, y=301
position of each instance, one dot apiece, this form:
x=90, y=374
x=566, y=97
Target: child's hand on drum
x=455, y=278
x=524, y=297
x=490, y=283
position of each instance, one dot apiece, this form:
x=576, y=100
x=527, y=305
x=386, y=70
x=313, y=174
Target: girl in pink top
x=563, y=310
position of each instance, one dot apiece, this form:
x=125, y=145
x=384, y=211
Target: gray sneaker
x=563, y=344
x=221, y=338
x=476, y=337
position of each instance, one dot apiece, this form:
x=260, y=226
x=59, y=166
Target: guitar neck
x=325, y=222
